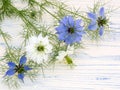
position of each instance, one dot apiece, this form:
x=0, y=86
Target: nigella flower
x=64, y=55
x=98, y=21
x=38, y=48
x=70, y=31
x=21, y=68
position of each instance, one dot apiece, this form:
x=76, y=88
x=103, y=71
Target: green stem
x=8, y=47
x=46, y=10
x=26, y=21
x=67, y=10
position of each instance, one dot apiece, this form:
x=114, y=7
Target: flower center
x=33, y=14
x=19, y=69
x=40, y=48
x=101, y=21
x=71, y=30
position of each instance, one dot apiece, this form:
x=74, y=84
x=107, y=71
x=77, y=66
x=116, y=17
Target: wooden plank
x=97, y=67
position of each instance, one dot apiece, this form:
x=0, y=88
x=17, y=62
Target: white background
x=97, y=66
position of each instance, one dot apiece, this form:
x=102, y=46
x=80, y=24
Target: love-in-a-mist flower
x=65, y=55
x=98, y=21
x=20, y=69
x=38, y=48
x=70, y=31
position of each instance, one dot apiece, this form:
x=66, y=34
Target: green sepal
x=68, y=60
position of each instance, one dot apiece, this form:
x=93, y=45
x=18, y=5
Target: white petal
x=61, y=55
x=70, y=49
x=33, y=53
x=32, y=40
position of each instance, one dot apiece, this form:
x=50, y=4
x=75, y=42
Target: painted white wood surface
x=97, y=66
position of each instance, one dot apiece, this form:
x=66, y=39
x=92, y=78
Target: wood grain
x=97, y=66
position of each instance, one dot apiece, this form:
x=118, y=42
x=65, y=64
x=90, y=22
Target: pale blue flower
x=98, y=21
x=70, y=31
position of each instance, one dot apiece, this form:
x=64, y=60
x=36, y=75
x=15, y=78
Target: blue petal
x=61, y=28
x=69, y=39
x=23, y=60
x=93, y=26
x=62, y=35
x=78, y=36
x=79, y=28
x=26, y=68
x=11, y=65
x=70, y=21
x=102, y=12
x=64, y=21
x=92, y=16
x=77, y=23
x=21, y=76
x=80, y=33
x=10, y=72
x=78, y=39
x=74, y=38
x=101, y=30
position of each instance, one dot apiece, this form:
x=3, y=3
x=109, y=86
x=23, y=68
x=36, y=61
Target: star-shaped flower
x=70, y=31
x=21, y=68
x=98, y=21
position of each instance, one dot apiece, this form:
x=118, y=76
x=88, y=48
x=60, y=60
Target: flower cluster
x=98, y=21
x=43, y=46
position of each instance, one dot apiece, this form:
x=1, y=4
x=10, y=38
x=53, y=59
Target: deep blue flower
x=98, y=21
x=70, y=31
x=20, y=69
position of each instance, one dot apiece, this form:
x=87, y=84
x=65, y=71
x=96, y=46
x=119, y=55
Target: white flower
x=62, y=54
x=38, y=48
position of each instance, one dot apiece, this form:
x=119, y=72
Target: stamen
x=19, y=69
x=71, y=30
x=101, y=21
x=40, y=48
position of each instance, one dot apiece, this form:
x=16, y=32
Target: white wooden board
x=97, y=66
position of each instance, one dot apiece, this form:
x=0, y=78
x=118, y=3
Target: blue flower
x=20, y=69
x=70, y=31
x=98, y=21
